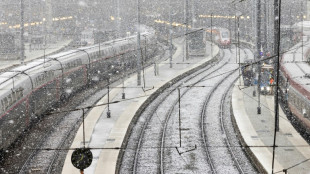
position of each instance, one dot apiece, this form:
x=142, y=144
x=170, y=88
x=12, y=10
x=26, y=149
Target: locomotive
x=29, y=90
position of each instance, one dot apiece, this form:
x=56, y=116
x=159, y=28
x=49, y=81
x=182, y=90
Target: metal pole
x=22, y=45
x=170, y=34
x=211, y=37
x=258, y=53
x=184, y=29
x=239, y=52
x=123, y=78
x=277, y=9
x=108, y=113
x=236, y=35
x=180, y=117
x=276, y=47
x=186, y=34
x=302, y=32
x=118, y=20
x=265, y=46
x=138, y=48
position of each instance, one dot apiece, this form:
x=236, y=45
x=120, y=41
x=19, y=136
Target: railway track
x=159, y=148
x=169, y=93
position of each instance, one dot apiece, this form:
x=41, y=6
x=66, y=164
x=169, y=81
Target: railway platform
x=37, y=53
x=292, y=152
x=103, y=132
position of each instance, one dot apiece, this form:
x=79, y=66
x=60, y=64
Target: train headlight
x=268, y=88
x=261, y=88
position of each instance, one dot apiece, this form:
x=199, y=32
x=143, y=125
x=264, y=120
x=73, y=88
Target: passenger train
x=294, y=89
x=221, y=36
x=29, y=90
x=198, y=37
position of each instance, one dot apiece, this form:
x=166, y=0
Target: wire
x=169, y=147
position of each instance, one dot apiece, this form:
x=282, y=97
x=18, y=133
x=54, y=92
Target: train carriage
x=14, y=96
x=294, y=91
x=30, y=90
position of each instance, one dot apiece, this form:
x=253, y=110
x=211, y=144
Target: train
x=198, y=36
x=220, y=36
x=29, y=90
x=294, y=90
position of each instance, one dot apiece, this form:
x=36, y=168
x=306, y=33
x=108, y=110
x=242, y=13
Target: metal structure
x=22, y=45
x=238, y=14
x=186, y=33
x=139, y=61
x=170, y=35
x=259, y=50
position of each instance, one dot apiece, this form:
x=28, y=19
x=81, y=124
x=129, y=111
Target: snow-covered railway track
x=161, y=142
x=154, y=109
x=212, y=134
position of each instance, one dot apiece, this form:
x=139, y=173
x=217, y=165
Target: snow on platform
x=257, y=131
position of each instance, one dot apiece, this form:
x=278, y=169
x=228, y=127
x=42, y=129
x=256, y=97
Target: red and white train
x=294, y=84
x=220, y=36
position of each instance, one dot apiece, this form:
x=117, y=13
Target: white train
x=30, y=90
x=221, y=36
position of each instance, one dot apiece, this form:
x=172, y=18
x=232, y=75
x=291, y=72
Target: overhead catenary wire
x=172, y=147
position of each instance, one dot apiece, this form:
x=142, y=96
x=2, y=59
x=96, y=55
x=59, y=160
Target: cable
x=170, y=147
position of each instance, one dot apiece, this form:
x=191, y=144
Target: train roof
x=61, y=54
x=296, y=69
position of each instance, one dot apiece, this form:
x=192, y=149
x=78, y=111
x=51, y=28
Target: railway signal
x=81, y=158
